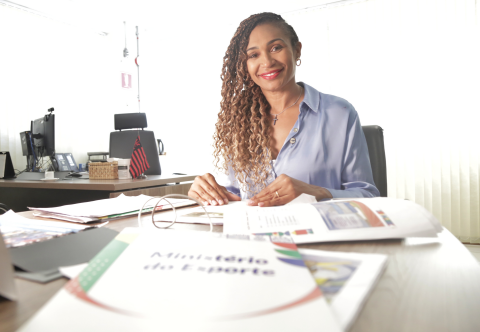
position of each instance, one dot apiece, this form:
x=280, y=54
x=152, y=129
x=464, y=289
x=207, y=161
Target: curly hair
x=241, y=138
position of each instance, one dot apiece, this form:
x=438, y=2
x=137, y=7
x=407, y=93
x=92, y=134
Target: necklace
x=275, y=119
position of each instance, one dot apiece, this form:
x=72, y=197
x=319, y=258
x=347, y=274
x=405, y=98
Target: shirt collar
x=312, y=97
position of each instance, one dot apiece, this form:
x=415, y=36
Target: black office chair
x=376, y=151
x=122, y=141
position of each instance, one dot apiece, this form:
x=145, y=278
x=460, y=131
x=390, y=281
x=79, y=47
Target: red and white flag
x=139, y=163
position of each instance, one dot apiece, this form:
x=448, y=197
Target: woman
x=278, y=139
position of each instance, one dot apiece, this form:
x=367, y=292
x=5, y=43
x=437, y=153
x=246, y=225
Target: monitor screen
x=43, y=133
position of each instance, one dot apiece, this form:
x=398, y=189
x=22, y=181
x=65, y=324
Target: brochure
x=335, y=220
x=190, y=281
x=346, y=279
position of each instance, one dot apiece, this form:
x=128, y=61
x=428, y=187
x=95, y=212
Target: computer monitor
x=43, y=134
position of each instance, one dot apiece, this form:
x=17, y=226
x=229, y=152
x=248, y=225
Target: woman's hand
x=209, y=192
x=284, y=189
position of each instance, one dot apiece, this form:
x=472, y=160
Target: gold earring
x=298, y=64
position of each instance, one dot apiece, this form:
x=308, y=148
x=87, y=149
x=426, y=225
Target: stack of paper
x=336, y=220
x=18, y=231
x=108, y=209
x=190, y=281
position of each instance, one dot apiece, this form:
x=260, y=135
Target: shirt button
x=293, y=140
x=295, y=130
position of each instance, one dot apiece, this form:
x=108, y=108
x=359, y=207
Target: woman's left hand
x=285, y=189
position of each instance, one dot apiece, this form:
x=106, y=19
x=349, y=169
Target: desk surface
x=428, y=285
x=106, y=185
x=21, y=194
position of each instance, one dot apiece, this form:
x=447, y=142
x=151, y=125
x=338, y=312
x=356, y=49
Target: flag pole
x=138, y=71
x=141, y=176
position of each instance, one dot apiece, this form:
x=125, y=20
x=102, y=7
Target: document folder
x=42, y=259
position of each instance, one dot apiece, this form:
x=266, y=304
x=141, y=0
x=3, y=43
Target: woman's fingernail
x=261, y=204
x=214, y=202
x=220, y=202
x=251, y=202
x=205, y=203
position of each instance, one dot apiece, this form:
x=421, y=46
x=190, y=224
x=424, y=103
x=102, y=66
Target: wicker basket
x=103, y=171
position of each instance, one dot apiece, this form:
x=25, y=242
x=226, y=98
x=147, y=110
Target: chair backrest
x=130, y=120
x=121, y=142
x=376, y=151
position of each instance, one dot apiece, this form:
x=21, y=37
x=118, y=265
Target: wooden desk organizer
x=103, y=171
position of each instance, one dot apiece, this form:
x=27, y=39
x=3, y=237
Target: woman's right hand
x=209, y=192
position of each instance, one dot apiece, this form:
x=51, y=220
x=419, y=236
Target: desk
x=428, y=285
x=18, y=194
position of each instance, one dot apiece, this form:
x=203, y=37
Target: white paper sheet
x=303, y=198
x=72, y=271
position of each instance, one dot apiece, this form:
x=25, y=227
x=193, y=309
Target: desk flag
x=139, y=163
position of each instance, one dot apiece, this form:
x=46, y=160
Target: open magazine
x=19, y=231
x=335, y=220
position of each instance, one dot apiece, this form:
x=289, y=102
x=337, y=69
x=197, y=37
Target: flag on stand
x=139, y=163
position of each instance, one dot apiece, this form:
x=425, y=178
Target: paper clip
x=174, y=210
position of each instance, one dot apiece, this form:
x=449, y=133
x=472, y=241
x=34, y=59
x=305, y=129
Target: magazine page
x=19, y=231
x=336, y=220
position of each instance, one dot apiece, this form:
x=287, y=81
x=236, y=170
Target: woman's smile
x=271, y=74
x=270, y=59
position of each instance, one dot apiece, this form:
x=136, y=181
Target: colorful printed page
x=351, y=214
x=18, y=231
x=168, y=280
x=336, y=220
x=345, y=279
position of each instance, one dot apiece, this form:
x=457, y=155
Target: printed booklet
x=171, y=280
x=335, y=220
x=346, y=279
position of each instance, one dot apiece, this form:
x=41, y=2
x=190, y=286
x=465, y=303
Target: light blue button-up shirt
x=326, y=147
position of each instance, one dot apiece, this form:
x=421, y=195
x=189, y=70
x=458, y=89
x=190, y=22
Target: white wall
x=45, y=63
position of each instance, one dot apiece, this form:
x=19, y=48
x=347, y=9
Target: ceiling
x=104, y=16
